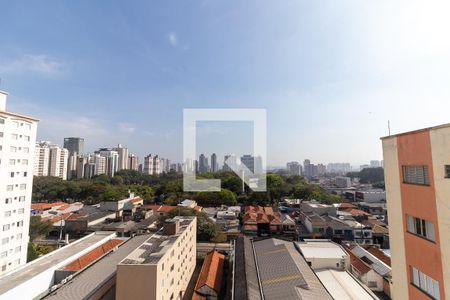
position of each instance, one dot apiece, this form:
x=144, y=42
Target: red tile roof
x=211, y=272
x=43, y=206
x=250, y=218
x=64, y=207
x=262, y=218
x=357, y=263
x=57, y=218
x=346, y=205
x=93, y=255
x=358, y=212
x=378, y=254
x=160, y=208
x=136, y=200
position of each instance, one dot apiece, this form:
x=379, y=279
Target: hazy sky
x=330, y=73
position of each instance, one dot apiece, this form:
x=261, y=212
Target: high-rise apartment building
x=152, y=165
x=203, y=165
x=214, y=164
x=17, y=150
x=162, y=266
x=41, y=159
x=417, y=176
x=294, y=168
x=111, y=160
x=229, y=163
x=122, y=163
x=133, y=162
x=50, y=160
x=74, y=145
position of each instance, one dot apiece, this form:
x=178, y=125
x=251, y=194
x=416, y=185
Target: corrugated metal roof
x=377, y=265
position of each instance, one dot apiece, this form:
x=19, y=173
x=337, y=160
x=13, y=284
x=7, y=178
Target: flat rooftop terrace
x=151, y=251
x=89, y=280
x=52, y=260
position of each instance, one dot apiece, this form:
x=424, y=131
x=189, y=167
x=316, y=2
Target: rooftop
x=85, y=283
x=155, y=247
x=417, y=131
x=284, y=273
x=212, y=271
x=53, y=259
x=341, y=285
x=320, y=249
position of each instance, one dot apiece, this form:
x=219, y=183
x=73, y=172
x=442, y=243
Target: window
x=13, y=149
x=4, y=254
x=9, y=187
x=8, y=213
x=21, y=198
x=20, y=224
x=26, y=138
x=26, y=150
x=17, y=250
x=21, y=211
x=23, y=186
x=24, y=161
x=420, y=227
x=425, y=283
x=6, y=227
x=5, y=241
x=12, y=161
x=8, y=200
x=2, y=121
x=11, y=174
x=14, y=136
x=416, y=175
x=19, y=236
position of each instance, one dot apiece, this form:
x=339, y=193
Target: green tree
x=38, y=228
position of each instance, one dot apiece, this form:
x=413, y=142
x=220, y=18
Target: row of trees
x=168, y=189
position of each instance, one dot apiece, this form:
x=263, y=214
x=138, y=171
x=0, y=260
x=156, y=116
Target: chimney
x=3, y=96
x=171, y=227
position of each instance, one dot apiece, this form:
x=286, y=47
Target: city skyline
x=325, y=74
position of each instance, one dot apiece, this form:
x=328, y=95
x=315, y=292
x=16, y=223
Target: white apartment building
x=152, y=165
x=112, y=160
x=50, y=160
x=58, y=162
x=17, y=149
x=122, y=163
x=41, y=159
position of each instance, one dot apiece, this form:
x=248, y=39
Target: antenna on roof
x=389, y=127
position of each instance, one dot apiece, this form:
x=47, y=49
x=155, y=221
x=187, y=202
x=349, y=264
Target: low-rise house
x=318, y=208
x=188, y=203
x=288, y=223
x=314, y=223
x=209, y=282
x=264, y=218
x=338, y=229
x=370, y=269
x=373, y=208
x=160, y=210
x=362, y=234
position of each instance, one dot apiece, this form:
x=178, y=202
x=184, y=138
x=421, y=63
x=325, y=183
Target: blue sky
x=329, y=73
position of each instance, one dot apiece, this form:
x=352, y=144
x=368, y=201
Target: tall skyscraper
x=214, y=164
x=203, y=166
x=229, y=162
x=74, y=145
x=122, y=163
x=417, y=172
x=249, y=162
x=17, y=151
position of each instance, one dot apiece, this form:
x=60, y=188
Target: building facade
x=417, y=172
x=74, y=145
x=162, y=266
x=17, y=150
